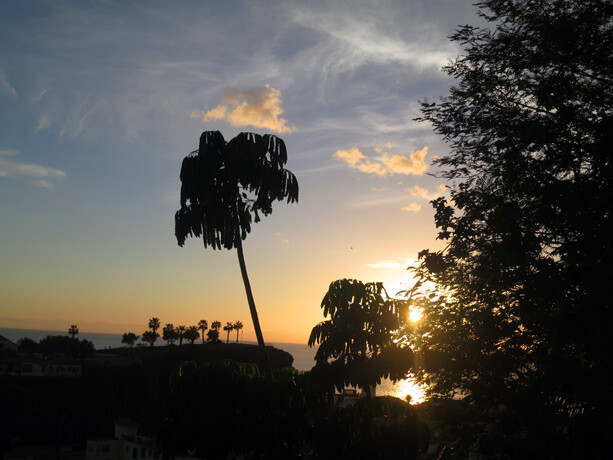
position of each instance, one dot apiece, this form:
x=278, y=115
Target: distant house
x=7, y=345
x=27, y=366
x=65, y=367
x=34, y=366
x=125, y=445
x=111, y=359
x=351, y=394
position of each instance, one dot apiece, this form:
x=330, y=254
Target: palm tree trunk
x=275, y=450
x=252, y=309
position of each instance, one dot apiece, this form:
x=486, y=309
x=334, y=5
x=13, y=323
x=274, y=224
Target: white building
x=125, y=445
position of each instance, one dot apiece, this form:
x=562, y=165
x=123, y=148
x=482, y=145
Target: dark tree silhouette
x=229, y=327
x=154, y=324
x=150, y=337
x=227, y=185
x=191, y=334
x=129, y=338
x=170, y=334
x=67, y=346
x=523, y=317
x=26, y=345
x=360, y=336
x=203, y=325
x=73, y=331
x=237, y=327
x=180, y=332
x=216, y=325
x=213, y=335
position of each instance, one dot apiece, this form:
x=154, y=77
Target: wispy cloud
x=40, y=176
x=412, y=163
x=416, y=190
x=259, y=107
x=369, y=40
x=5, y=85
x=413, y=207
x=281, y=237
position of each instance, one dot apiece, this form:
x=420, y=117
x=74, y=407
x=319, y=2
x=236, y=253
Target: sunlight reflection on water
x=401, y=389
x=304, y=361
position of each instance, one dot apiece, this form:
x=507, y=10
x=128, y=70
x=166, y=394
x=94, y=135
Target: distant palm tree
x=229, y=327
x=73, y=331
x=213, y=335
x=203, y=325
x=180, y=331
x=169, y=334
x=191, y=334
x=150, y=337
x=237, y=327
x=216, y=325
x=129, y=338
x=154, y=324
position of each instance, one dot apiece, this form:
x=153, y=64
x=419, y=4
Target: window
x=134, y=452
x=142, y=452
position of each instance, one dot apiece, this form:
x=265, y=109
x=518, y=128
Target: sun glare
x=408, y=387
x=414, y=314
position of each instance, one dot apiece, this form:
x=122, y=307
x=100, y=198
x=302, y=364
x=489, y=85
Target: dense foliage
x=357, y=344
x=226, y=185
x=521, y=323
x=65, y=346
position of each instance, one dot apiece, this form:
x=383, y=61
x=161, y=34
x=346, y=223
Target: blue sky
x=101, y=100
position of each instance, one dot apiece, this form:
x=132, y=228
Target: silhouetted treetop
x=227, y=185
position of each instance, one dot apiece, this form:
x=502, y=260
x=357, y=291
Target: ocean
x=304, y=357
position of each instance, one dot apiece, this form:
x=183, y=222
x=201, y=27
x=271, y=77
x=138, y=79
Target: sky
x=101, y=100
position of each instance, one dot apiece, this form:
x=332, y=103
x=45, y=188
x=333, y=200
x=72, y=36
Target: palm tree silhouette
x=227, y=185
x=191, y=334
x=150, y=337
x=203, y=325
x=169, y=334
x=229, y=327
x=180, y=331
x=154, y=324
x=73, y=331
x=216, y=325
x=237, y=327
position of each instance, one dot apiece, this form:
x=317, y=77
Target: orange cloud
x=413, y=207
x=416, y=190
x=259, y=107
x=413, y=163
x=358, y=160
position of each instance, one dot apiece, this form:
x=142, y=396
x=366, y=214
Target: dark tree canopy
x=359, y=336
x=225, y=186
x=523, y=315
x=150, y=337
x=129, y=338
x=67, y=346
